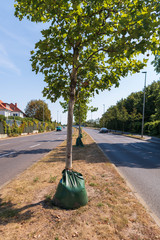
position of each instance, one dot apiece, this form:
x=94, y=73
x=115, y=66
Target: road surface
x=137, y=160
x=17, y=154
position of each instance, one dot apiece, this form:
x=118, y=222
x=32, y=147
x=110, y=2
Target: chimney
x=15, y=104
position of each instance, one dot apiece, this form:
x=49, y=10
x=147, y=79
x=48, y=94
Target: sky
x=19, y=84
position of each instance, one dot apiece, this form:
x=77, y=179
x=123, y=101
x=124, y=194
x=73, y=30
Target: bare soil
x=112, y=213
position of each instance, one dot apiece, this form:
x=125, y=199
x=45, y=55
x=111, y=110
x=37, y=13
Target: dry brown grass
x=112, y=212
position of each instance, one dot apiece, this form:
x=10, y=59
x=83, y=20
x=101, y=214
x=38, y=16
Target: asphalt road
x=17, y=154
x=137, y=160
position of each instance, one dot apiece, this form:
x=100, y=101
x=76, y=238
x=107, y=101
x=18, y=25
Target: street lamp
x=43, y=115
x=103, y=113
x=57, y=117
x=143, y=104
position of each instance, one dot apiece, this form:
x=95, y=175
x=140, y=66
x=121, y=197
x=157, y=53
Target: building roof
x=5, y=106
x=10, y=107
x=14, y=107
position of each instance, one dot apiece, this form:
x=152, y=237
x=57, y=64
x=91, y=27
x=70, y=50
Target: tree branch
x=92, y=55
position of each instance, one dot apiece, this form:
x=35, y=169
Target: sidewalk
x=152, y=139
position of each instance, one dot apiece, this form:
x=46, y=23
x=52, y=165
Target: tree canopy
x=38, y=109
x=156, y=63
x=102, y=37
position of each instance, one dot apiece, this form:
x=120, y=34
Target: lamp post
x=43, y=115
x=103, y=114
x=143, y=104
x=57, y=117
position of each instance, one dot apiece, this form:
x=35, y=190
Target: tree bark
x=70, y=119
x=79, y=121
x=69, y=134
x=71, y=108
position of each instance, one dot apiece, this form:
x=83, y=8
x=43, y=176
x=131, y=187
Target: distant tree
x=156, y=63
x=134, y=117
x=127, y=113
x=92, y=109
x=122, y=114
x=80, y=110
x=38, y=109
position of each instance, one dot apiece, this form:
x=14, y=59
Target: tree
x=38, y=109
x=100, y=37
x=92, y=109
x=156, y=63
x=134, y=117
x=122, y=115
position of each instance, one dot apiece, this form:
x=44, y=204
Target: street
x=17, y=154
x=137, y=160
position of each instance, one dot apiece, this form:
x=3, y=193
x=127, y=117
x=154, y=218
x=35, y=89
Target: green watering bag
x=71, y=192
x=79, y=142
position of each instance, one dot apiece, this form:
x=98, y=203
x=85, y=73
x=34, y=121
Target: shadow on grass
x=9, y=213
x=89, y=153
x=58, y=156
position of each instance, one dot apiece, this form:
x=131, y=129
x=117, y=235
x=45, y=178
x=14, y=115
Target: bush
x=152, y=128
x=2, y=118
x=15, y=128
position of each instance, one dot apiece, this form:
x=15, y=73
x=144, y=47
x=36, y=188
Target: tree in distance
x=156, y=63
x=99, y=37
x=38, y=109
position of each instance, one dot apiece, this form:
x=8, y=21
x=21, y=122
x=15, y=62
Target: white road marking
x=135, y=146
x=34, y=145
x=4, y=144
x=7, y=154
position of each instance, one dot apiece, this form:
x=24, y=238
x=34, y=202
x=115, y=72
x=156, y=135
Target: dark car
x=103, y=130
x=58, y=128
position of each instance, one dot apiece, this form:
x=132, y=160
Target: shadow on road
x=133, y=155
x=12, y=154
x=51, y=140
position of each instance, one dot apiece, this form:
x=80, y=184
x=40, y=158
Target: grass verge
x=112, y=213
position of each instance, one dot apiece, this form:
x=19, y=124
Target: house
x=11, y=109
x=5, y=109
x=16, y=111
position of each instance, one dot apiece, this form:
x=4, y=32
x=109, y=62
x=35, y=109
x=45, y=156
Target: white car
x=103, y=130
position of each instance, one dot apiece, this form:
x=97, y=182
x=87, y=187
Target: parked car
x=103, y=130
x=58, y=128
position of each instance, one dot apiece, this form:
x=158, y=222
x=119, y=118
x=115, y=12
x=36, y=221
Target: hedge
x=24, y=126
x=152, y=128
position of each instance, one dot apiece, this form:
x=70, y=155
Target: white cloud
x=16, y=37
x=6, y=63
x=2, y=50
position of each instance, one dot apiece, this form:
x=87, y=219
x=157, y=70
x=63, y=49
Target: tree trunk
x=69, y=134
x=70, y=119
x=79, y=121
x=71, y=108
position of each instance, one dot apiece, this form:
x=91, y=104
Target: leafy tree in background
x=156, y=63
x=38, y=109
x=92, y=109
x=80, y=110
x=100, y=37
x=126, y=115
x=122, y=114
